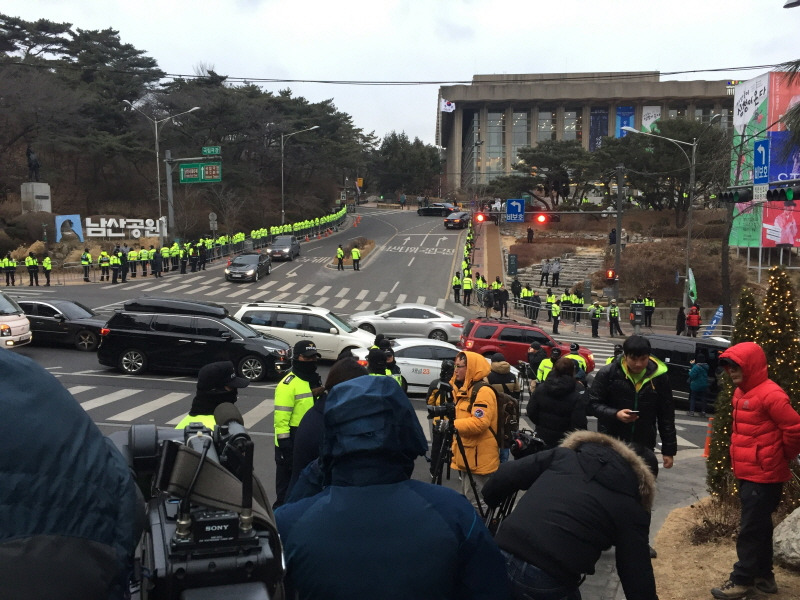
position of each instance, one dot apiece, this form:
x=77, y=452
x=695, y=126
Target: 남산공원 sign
x=111, y=227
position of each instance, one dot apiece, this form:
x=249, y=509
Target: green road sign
x=211, y=150
x=201, y=172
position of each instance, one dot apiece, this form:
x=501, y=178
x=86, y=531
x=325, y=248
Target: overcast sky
x=442, y=41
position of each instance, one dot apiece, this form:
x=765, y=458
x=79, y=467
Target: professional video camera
x=525, y=443
x=209, y=531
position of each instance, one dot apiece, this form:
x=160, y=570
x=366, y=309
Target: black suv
x=183, y=335
x=284, y=247
x=677, y=352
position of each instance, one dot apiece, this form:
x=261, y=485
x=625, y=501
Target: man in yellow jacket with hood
x=476, y=422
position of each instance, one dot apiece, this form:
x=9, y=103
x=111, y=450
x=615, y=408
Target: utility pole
x=618, y=245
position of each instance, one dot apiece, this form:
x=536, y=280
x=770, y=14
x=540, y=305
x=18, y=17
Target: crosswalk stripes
x=108, y=399
x=143, y=409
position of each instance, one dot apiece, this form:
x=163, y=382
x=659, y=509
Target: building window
x=703, y=113
x=676, y=112
x=495, y=145
x=726, y=119
x=573, y=124
x=546, y=129
x=520, y=134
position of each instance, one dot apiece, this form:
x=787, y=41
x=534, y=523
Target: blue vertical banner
x=624, y=119
x=68, y=227
x=598, y=126
x=714, y=320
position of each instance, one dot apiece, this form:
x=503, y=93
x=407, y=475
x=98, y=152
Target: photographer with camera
x=294, y=395
x=353, y=539
x=71, y=513
x=582, y=497
x=475, y=420
x=558, y=405
x=217, y=383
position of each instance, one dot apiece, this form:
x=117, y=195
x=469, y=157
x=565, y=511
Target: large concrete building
x=496, y=115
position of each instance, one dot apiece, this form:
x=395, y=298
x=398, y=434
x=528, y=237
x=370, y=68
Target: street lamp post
x=156, y=123
x=284, y=136
x=692, y=169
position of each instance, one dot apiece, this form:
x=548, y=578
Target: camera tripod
x=442, y=442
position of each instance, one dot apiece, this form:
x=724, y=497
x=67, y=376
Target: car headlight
x=5, y=330
x=227, y=271
x=251, y=272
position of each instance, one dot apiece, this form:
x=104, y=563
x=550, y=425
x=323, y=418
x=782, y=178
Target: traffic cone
x=306, y=237
x=709, y=432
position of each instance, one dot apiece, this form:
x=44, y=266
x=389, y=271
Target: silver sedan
x=411, y=320
x=419, y=360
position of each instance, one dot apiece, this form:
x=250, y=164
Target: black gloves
x=283, y=451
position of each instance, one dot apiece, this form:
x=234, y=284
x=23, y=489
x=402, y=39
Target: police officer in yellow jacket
x=32, y=264
x=217, y=382
x=355, y=254
x=47, y=265
x=294, y=395
x=340, y=258
x=86, y=263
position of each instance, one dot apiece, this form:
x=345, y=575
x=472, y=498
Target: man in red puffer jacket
x=765, y=437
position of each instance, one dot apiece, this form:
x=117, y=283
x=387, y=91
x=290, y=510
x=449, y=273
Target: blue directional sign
x=515, y=210
x=761, y=162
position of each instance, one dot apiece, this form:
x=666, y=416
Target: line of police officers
x=116, y=265
x=32, y=264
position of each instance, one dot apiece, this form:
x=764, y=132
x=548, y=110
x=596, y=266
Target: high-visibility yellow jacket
x=293, y=398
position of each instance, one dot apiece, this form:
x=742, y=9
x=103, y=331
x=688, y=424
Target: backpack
x=507, y=413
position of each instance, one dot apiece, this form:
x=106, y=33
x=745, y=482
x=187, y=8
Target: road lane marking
x=261, y=411
x=108, y=399
x=141, y=410
x=342, y=292
x=78, y=389
x=323, y=290
x=361, y=294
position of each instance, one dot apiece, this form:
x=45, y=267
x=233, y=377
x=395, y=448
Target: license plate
x=236, y=275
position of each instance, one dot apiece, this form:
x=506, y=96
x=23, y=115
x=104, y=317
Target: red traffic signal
x=479, y=217
x=541, y=218
x=611, y=275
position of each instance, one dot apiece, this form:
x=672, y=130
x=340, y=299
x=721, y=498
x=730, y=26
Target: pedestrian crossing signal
x=480, y=217
x=611, y=275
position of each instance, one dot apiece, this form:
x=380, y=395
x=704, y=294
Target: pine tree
x=719, y=476
x=778, y=336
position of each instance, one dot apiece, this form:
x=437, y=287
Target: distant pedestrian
x=613, y=319
x=466, y=288
x=698, y=385
x=355, y=254
x=612, y=236
x=555, y=313
x=32, y=264
x=545, y=272
x=555, y=271
x=502, y=301
x=516, y=290
x=47, y=265
x=156, y=264
x=594, y=318
x=530, y=235
x=680, y=323
x=765, y=438
x=693, y=321
x=456, y=287
x=340, y=258
x=536, y=304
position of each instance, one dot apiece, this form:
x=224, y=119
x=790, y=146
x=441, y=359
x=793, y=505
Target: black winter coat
x=612, y=391
x=590, y=493
x=557, y=407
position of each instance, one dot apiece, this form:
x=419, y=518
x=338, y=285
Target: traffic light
x=479, y=217
x=736, y=195
x=543, y=218
x=611, y=275
x=787, y=194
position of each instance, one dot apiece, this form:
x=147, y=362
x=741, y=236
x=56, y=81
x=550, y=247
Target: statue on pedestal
x=33, y=165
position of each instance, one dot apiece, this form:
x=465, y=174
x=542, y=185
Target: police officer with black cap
x=294, y=395
x=217, y=383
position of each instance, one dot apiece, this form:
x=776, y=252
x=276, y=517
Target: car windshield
x=76, y=311
x=250, y=259
x=341, y=323
x=283, y=242
x=243, y=330
x=9, y=307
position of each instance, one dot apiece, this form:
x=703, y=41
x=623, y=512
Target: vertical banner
x=598, y=126
x=624, y=119
x=692, y=287
x=650, y=115
x=784, y=160
x=750, y=119
x=714, y=322
x=746, y=230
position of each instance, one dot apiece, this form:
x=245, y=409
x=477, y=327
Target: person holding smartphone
x=632, y=400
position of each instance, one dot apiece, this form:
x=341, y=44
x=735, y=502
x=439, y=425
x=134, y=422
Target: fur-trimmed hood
x=604, y=459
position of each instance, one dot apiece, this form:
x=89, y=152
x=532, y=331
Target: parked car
x=677, y=352
x=411, y=320
x=456, y=220
x=15, y=329
x=487, y=336
x=437, y=209
x=284, y=247
x=248, y=266
x=294, y=322
x=183, y=335
x=64, y=322
x=419, y=360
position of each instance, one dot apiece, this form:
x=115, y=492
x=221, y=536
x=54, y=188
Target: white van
x=15, y=330
x=293, y=322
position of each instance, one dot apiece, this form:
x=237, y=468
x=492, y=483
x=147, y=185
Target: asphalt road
x=413, y=260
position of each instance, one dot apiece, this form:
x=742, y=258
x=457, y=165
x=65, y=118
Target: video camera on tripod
x=209, y=531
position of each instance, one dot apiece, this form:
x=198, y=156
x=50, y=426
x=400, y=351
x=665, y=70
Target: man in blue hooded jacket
x=373, y=532
x=70, y=515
